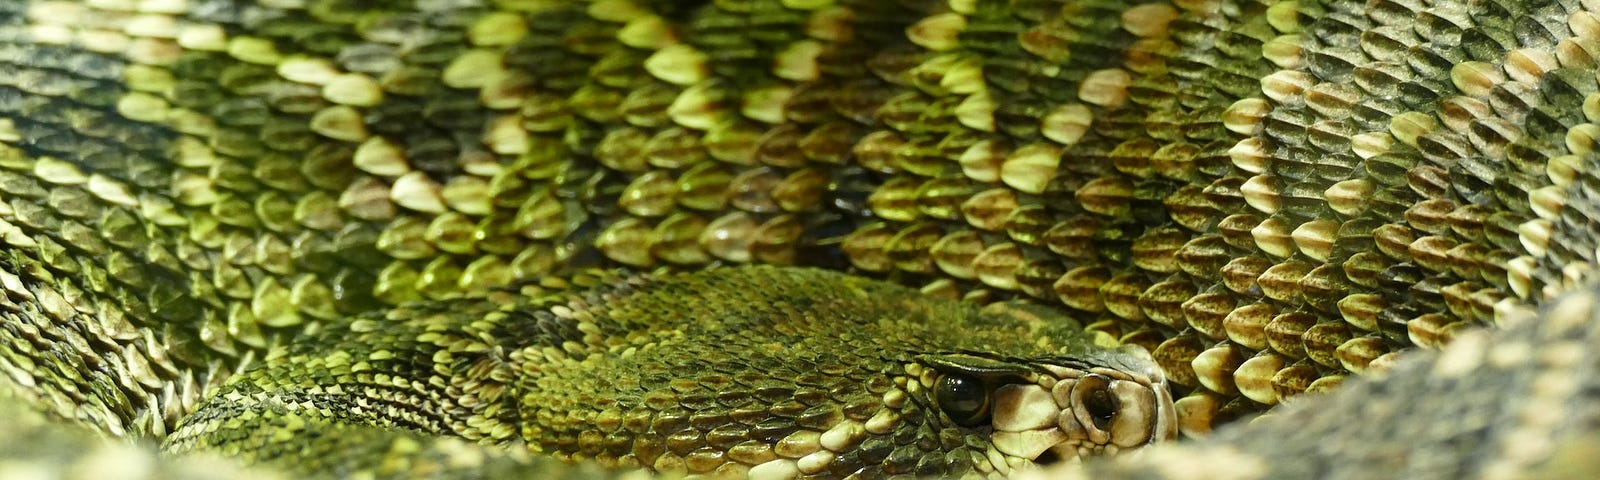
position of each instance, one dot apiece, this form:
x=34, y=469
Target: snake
x=802, y=238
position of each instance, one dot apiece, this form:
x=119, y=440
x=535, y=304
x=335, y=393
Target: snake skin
x=1269, y=196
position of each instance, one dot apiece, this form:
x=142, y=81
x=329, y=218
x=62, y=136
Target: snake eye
x=1101, y=406
x=964, y=399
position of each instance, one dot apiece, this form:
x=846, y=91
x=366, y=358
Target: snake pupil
x=1102, y=407
x=964, y=399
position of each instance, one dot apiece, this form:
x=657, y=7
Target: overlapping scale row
x=1387, y=183
x=100, y=312
x=1082, y=136
x=262, y=167
x=1268, y=195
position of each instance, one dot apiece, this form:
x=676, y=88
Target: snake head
x=1057, y=408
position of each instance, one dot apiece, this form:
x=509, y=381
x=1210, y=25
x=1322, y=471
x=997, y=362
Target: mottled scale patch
x=1269, y=196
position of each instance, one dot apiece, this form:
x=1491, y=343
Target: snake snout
x=1081, y=414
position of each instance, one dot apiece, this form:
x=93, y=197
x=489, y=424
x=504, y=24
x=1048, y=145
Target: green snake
x=326, y=231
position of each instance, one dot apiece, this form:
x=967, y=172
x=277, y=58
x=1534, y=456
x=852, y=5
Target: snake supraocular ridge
x=1268, y=196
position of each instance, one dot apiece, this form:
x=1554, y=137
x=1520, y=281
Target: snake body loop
x=247, y=209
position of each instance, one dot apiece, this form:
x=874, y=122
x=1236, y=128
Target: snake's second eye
x=964, y=399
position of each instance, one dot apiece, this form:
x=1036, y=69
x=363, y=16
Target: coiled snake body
x=273, y=203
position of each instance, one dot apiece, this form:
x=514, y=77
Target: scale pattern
x=1268, y=195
